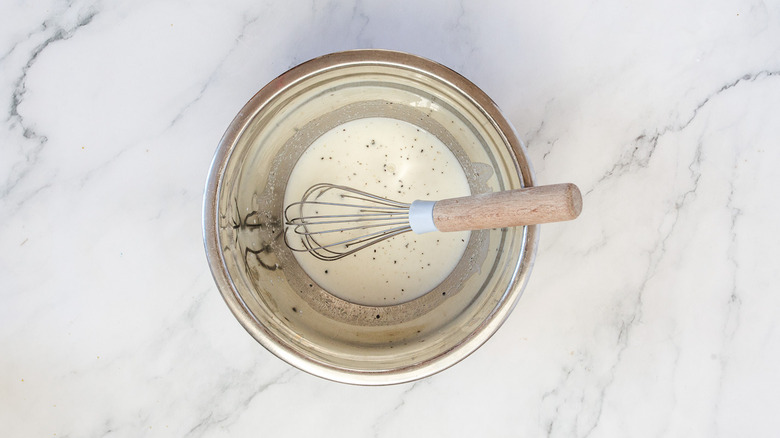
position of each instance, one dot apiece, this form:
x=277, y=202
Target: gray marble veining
x=654, y=314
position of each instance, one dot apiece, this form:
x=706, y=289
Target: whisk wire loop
x=319, y=219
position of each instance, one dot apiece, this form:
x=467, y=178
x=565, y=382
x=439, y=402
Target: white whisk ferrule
x=421, y=217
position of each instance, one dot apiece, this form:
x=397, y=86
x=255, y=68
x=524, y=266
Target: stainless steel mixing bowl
x=277, y=302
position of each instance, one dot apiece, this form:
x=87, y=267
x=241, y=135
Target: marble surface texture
x=655, y=314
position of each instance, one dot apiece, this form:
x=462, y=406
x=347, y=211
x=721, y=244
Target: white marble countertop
x=653, y=314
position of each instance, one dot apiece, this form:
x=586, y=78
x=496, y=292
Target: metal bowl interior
x=276, y=301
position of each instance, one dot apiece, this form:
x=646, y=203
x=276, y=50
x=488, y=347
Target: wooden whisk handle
x=527, y=206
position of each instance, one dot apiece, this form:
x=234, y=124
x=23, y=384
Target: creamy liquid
x=397, y=160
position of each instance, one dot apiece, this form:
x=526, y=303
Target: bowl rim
x=210, y=219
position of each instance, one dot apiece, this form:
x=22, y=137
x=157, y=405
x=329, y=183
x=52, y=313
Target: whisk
x=334, y=221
